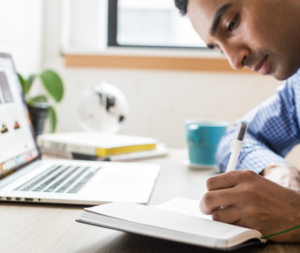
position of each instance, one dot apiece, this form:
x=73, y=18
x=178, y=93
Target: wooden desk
x=52, y=228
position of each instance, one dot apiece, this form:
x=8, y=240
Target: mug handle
x=194, y=133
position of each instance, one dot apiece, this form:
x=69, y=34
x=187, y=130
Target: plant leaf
x=30, y=80
x=22, y=81
x=24, y=84
x=38, y=99
x=52, y=118
x=53, y=84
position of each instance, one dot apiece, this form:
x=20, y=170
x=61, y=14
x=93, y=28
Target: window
x=92, y=25
x=150, y=23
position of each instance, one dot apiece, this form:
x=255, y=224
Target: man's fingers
x=229, y=214
x=226, y=180
x=214, y=199
x=203, y=208
x=229, y=179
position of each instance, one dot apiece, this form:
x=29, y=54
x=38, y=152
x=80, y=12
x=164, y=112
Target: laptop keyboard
x=63, y=179
x=59, y=179
x=71, y=181
x=37, y=179
x=76, y=188
x=50, y=180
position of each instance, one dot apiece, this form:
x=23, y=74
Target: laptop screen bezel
x=14, y=169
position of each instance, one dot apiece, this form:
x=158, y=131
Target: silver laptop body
x=26, y=178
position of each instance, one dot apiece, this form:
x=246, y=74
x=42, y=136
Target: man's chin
x=279, y=77
x=283, y=74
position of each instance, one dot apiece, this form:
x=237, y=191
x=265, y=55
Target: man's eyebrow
x=218, y=17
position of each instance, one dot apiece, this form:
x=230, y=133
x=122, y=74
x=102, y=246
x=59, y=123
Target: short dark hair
x=182, y=6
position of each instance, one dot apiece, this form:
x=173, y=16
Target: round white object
x=103, y=108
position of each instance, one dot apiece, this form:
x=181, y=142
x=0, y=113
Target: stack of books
x=100, y=147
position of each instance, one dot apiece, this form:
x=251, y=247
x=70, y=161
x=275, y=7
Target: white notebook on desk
x=177, y=220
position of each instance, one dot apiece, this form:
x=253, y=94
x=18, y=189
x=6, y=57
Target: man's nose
x=237, y=57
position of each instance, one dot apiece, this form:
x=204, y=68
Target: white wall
x=21, y=33
x=159, y=101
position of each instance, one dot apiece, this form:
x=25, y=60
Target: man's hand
x=284, y=174
x=255, y=202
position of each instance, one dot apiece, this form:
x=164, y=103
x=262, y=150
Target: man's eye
x=232, y=24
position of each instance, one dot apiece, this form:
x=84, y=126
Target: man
x=264, y=36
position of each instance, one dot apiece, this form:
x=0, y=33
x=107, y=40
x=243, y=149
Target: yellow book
x=103, y=152
x=96, y=144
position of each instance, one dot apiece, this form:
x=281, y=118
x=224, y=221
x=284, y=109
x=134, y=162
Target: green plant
x=53, y=85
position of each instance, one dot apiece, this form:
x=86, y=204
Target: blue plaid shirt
x=273, y=130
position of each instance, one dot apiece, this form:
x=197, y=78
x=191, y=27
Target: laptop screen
x=17, y=145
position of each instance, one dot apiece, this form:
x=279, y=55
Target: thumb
x=203, y=208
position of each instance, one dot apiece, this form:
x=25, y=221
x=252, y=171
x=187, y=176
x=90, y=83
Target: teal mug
x=203, y=137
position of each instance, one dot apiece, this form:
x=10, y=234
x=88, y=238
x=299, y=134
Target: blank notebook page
x=185, y=206
x=153, y=216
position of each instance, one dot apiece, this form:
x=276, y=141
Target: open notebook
x=177, y=220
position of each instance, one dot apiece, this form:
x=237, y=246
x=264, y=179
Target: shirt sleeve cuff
x=258, y=160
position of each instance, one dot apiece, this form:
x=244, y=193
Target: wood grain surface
x=149, y=62
x=52, y=228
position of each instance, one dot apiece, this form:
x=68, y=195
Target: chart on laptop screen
x=16, y=142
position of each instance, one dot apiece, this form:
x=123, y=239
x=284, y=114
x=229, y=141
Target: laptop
x=24, y=177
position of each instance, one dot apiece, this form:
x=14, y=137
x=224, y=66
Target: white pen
x=237, y=145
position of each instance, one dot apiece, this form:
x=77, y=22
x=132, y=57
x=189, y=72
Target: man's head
x=182, y=6
x=263, y=35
